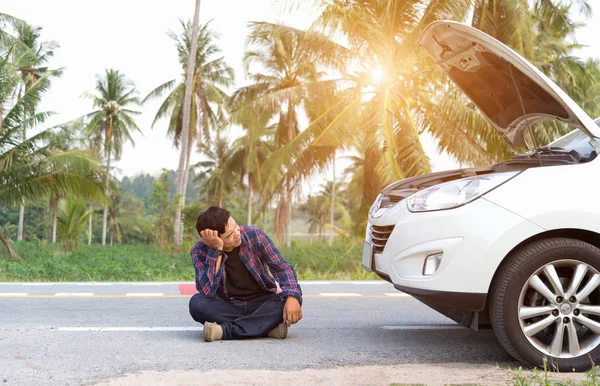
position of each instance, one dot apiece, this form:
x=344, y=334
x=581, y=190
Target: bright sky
x=131, y=36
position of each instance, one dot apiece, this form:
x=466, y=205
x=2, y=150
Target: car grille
x=380, y=236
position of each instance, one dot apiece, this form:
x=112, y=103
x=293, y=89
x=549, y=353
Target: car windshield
x=574, y=139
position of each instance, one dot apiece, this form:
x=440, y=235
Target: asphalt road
x=91, y=332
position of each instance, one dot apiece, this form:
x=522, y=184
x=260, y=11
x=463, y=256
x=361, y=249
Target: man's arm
x=282, y=270
x=207, y=265
x=286, y=277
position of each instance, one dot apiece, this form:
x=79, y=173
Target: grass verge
x=45, y=262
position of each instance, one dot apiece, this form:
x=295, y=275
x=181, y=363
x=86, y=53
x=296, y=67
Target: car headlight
x=456, y=193
x=380, y=206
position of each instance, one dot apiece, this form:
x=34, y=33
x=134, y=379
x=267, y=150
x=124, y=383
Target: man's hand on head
x=212, y=239
x=292, y=312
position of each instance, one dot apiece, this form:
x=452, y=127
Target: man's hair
x=214, y=218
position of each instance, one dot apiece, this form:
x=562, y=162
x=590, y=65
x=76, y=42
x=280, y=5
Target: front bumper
x=472, y=241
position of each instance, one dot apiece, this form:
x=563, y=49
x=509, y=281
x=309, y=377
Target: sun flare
x=377, y=75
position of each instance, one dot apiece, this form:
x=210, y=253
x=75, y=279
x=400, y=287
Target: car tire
x=516, y=294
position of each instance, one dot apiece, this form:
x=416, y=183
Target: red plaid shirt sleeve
x=205, y=266
x=283, y=272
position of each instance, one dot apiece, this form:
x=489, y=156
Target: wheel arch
x=584, y=235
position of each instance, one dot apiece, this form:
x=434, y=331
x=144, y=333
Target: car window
x=552, y=133
x=575, y=140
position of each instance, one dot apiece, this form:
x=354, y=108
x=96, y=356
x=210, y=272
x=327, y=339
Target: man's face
x=231, y=237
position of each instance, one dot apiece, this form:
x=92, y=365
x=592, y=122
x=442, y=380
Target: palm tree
x=183, y=155
x=78, y=126
x=364, y=185
x=162, y=204
x=289, y=60
x=34, y=168
x=217, y=170
x=316, y=208
x=313, y=208
x=30, y=56
x=382, y=88
x=544, y=33
x=250, y=152
x=114, y=225
x=211, y=75
x=112, y=123
x=590, y=91
x=72, y=219
x=390, y=93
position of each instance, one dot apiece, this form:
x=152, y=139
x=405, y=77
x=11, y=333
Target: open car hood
x=492, y=75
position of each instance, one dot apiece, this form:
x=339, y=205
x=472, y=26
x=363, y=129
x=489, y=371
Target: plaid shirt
x=257, y=252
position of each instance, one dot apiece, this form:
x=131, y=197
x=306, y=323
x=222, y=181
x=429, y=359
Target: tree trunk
x=53, y=204
x=90, y=224
x=12, y=254
x=186, y=175
x=288, y=242
x=250, y=200
x=107, y=193
x=177, y=231
x=21, y=220
x=22, y=207
x=321, y=231
x=163, y=219
x=112, y=237
x=185, y=178
x=116, y=230
x=332, y=206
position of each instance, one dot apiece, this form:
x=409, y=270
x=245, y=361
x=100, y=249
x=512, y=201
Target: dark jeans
x=239, y=319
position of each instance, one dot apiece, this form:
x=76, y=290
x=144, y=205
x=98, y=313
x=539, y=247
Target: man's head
x=220, y=220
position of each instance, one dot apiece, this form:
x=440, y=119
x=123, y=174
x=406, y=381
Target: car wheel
x=545, y=304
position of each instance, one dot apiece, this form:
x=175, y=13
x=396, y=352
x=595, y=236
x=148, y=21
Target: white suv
x=517, y=244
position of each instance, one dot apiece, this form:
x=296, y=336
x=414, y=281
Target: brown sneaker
x=279, y=332
x=212, y=332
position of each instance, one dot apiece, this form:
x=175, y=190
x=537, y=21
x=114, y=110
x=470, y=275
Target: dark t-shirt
x=240, y=282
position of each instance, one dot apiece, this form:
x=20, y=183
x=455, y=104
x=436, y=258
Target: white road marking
x=144, y=294
x=92, y=283
x=398, y=295
x=120, y=329
x=339, y=294
x=426, y=327
x=313, y=282
x=30, y=283
x=74, y=294
x=13, y=293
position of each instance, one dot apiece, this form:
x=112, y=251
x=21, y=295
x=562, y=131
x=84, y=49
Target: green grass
x=45, y=262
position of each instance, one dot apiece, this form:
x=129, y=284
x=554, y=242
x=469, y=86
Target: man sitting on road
x=237, y=297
